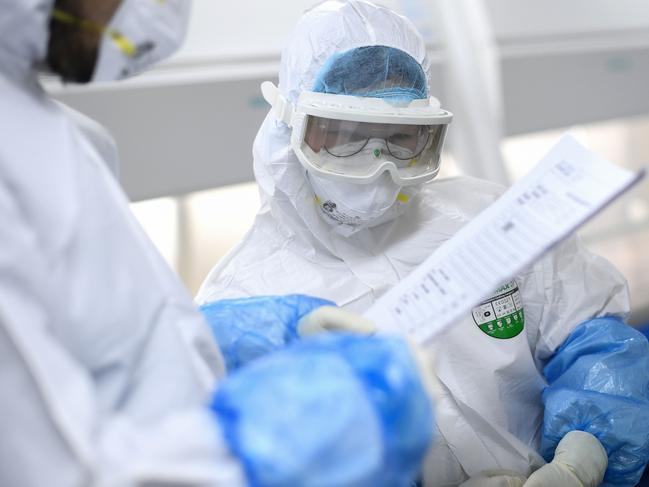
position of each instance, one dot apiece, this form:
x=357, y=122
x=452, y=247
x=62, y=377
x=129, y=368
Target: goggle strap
x=283, y=108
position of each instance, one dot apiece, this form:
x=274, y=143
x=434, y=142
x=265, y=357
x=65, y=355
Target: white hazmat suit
x=104, y=380
x=490, y=413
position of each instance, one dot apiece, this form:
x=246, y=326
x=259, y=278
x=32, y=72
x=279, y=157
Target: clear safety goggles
x=356, y=138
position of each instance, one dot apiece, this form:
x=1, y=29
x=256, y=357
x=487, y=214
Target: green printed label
x=502, y=315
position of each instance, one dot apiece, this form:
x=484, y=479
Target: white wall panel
x=561, y=89
x=175, y=139
x=519, y=19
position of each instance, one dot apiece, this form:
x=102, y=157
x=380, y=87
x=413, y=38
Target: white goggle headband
x=355, y=109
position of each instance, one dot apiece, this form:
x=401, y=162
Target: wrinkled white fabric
x=105, y=366
x=489, y=410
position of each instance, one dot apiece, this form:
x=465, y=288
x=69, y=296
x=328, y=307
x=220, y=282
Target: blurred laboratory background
x=516, y=73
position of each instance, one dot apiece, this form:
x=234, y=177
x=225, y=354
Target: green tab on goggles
x=357, y=138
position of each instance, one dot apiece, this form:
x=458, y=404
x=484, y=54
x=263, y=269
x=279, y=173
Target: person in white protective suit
x=345, y=162
x=109, y=375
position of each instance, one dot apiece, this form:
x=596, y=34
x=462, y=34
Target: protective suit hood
x=329, y=28
x=25, y=34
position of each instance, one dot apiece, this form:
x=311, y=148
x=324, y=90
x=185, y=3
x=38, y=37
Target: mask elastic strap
x=283, y=108
x=124, y=45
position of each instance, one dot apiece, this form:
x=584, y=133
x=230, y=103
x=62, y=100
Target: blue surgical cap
x=373, y=71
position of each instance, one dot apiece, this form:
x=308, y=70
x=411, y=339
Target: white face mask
x=358, y=206
x=141, y=33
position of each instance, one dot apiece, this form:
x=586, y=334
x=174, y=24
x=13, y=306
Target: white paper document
x=566, y=188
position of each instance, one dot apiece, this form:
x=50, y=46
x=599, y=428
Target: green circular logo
x=502, y=315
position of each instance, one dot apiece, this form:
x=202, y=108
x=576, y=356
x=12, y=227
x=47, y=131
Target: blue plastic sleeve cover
x=599, y=383
x=248, y=328
x=335, y=410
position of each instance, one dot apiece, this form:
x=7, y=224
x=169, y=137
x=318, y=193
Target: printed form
x=565, y=189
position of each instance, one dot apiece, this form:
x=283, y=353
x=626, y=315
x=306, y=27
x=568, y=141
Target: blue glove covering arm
x=335, y=410
x=248, y=328
x=599, y=383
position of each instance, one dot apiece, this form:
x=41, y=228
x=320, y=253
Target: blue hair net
x=374, y=72
x=599, y=383
x=335, y=410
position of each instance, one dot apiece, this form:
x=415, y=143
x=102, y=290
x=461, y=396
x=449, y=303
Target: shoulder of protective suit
x=98, y=136
x=40, y=161
x=255, y=255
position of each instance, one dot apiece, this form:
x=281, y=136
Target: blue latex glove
x=248, y=328
x=599, y=383
x=334, y=410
